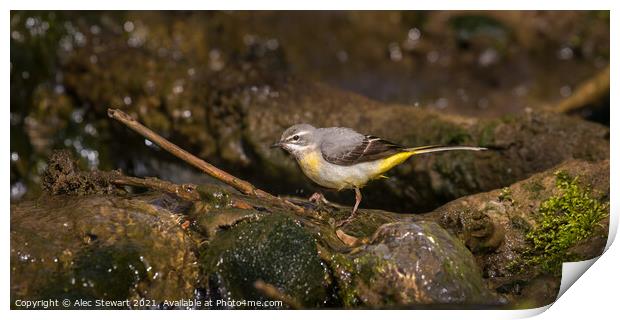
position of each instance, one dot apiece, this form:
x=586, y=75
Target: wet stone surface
x=408, y=264
x=99, y=247
x=273, y=248
x=157, y=246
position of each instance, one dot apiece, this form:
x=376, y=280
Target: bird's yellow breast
x=310, y=163
x=339, y=177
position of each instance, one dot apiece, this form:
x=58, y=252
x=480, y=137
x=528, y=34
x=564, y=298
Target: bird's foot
x=318, y=198
x=358, y=199
x=347, y=220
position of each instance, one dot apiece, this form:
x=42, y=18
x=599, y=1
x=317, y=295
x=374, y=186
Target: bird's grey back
x=344, y=146
x=337, y=140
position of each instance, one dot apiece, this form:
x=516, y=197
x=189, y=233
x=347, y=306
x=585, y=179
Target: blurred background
x=175, y=71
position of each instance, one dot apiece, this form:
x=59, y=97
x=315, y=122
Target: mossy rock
x=99, y=247
x=275, y=249
x=564, y=220
x=411, y=264
x=526, y=230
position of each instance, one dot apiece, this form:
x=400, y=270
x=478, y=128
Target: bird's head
x=297, y=139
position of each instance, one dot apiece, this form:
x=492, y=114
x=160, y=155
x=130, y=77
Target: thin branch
x=589, y=91
x=239, y=184
x=184, y=191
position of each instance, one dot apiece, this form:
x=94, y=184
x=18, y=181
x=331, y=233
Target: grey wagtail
x=341, y=158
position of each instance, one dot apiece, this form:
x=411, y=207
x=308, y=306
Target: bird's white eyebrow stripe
x=301, y=133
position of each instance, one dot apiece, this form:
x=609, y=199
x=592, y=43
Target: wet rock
x=274, y=249
x=410, y=264
x=135, y=246
x=99, y=247
x=500, y=227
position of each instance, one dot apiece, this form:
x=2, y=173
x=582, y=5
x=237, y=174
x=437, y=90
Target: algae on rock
x=412, y=264
x=563, y=221
x=99, y=247
x=274, y=249
x=499, y=228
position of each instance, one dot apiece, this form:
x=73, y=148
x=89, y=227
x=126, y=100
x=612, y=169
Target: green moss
x=274, y=249
x=351, y=272
x=214, y=196
x=564, y=220
x=505, y=195
x=369, y=266
x=344, y=269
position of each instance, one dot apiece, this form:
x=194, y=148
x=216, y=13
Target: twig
x=185, y=191
x=273, y=293
x=239, y=184
x=589, y=91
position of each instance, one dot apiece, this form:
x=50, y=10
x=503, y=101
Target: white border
x=595, y=293
x=310, y=5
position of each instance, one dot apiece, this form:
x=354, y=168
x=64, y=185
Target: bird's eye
x=295, y=137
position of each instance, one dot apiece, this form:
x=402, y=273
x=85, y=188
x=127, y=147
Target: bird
x=342, y=158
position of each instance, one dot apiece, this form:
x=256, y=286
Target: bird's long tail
x=405, y=154
x=438, y=148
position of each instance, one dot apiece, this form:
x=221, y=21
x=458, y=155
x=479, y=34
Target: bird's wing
x=349, y=150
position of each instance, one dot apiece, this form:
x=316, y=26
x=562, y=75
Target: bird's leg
x=358, y=199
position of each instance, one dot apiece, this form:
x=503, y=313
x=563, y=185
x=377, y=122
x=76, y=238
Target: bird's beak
x=276, y=145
